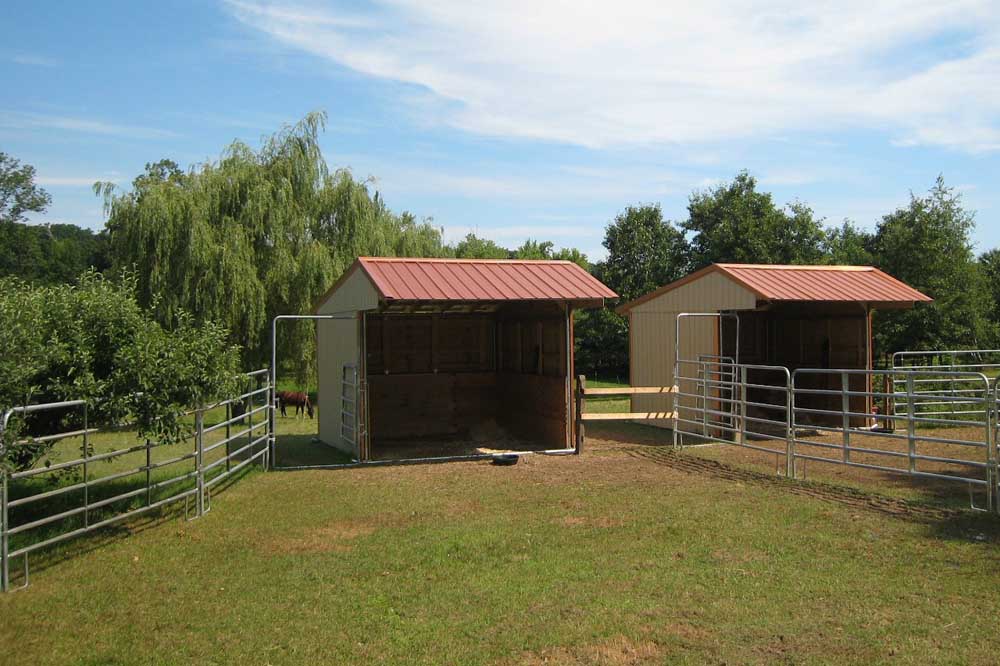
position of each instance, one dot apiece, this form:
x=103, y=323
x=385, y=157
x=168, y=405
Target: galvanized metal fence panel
x=59, y=501
x=938, y=379
x=829, y=416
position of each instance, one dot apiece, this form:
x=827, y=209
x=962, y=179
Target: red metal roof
x=771, y=282
x=406, y=279
x=822, y=283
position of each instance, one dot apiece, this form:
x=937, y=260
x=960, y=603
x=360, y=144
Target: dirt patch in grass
x=590, y=521
x=336, y=537
x=619, y=651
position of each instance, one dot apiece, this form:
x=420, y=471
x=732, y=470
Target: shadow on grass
x=627, y=432
x=942, y=521
x=49, y=556
x=305, y=451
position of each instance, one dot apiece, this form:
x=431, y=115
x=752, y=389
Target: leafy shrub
x=93, y=342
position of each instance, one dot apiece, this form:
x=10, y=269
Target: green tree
x=51, y=253
x=256, y=234
x=474, y=247
x=927, y=245
x=989, y=266
x=733, y=222
x=532, y=249
x=847, y=245
x=574, y=255
x=93, y=342
x=18, y=192
x=644, y=252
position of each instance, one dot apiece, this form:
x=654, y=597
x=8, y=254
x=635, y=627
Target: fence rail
x=56, y=502
x=833, y=416
x=582, y=415
x=940, y=392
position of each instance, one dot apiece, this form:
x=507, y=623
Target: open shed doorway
x=467, y=380
x=805, y=335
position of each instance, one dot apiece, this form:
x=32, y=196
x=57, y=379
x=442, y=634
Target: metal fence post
x=845, y=405
x=704, y=399
x=790, y=426
x=272, y=425
x=250, y=446
x=229, y=445
x=149, y=472
x=199, y=424
x=951, y=386
x=4, y=529
x=743, y=406
x=991, y=471
x=911, y=442
x=86, y=458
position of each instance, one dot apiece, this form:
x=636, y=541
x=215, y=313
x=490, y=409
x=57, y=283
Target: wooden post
x=581, y=386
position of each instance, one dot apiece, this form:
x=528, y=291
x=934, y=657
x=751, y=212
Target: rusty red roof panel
x=405, y=279
x=822, y=283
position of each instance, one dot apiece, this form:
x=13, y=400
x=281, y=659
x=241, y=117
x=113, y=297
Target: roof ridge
x=464, y=260
x=798, y=267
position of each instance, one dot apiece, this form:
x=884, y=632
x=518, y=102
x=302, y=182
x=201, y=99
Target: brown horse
x=297, y=399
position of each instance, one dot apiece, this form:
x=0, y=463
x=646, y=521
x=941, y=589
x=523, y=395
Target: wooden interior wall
x=533, y=408
x=533, y=367
x=818, y=336
x=430, y=405
x=441, y=375
x=412, y=344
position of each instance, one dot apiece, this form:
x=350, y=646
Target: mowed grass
x=607, y=404
x=629, y=554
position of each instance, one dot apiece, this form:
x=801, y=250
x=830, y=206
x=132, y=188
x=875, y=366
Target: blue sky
x=517, y=119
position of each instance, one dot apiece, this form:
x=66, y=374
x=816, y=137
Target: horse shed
x=768, y=315
x=438, y=357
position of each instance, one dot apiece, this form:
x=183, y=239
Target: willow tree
x=256, y=234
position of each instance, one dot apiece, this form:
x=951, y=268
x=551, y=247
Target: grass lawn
x=629, y=554
x=607, y=403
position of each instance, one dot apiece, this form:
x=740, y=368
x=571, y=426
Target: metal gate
x=108, y=483
x=931, y=421
x=352, y=418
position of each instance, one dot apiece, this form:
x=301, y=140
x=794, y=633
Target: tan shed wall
x=355, y=293
x=652, y=327
x=711, y=293
x=338, y=343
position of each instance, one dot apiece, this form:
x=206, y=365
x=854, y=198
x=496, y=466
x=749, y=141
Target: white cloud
x=645, y=71
x=553, y=183
x=34, y=60
x=74, y=181
x=19, y=120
